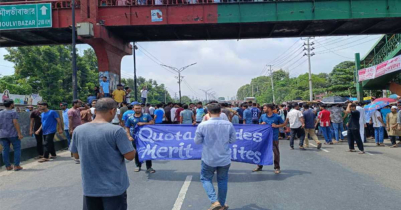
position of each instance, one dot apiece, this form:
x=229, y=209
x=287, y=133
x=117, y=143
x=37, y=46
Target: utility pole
x=206, y=93
x=135, y=82
x=179, y=75
x=74, y=56
x=271, y=79
x=309, y=54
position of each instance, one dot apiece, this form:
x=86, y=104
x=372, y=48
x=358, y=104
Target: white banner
x=32, y=99
x=381, y=69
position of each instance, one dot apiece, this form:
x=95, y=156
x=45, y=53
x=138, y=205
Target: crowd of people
x=102, y=131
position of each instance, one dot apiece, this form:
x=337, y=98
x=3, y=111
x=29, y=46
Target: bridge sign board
x=24, y=16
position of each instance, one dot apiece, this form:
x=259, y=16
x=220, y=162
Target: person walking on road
x=102, y=148
x=10, y=133
x=392, y=126
x=274, y=120
x=215, y=135
x=310, y=122
x=378, y=125
x=50, y=122
x=324, y=120
x=65, y=110
x=138, y=119
x=297, y=125
x=353, y=129
x=34, y=125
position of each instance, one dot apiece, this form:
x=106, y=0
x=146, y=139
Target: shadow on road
x=250, y=207
x=234, y=175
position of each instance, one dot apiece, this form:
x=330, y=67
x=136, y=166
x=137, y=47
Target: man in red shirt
x=177, y=112
x=324, y=119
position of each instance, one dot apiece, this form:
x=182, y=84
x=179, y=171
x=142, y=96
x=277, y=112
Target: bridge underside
x=212, y=31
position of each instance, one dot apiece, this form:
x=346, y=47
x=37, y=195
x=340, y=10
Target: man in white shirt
x=378, y=125
x=297, y=125
x=152, y=110
x=116, y=120
x=362, y=121
x=144, y=95
x=173, y=119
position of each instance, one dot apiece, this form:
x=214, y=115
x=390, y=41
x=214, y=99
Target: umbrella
x=334, y=100
x=394, y=96
x=372, y=107
x=390, y=100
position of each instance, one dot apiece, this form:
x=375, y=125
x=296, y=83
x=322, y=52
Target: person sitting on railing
x=141, y=2
x=158, y=2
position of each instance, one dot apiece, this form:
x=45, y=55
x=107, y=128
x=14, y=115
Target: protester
x=117, y=117
x=96, y=92
x=158, y=114
x=65, y=110
x=146, y=109
x=152, y=110
x=274, y=120
x=92, y=109
x=167, y=112
x=215, y=135
x=123, y=109
x=86, y=115
x=392, y=126
x=144, y=94
x=127, y=95
x=310, y=122
x=255, y=111
x=297, y=125
x=105, y=87
x=240, y=112
x=138, y=119
x=378, y=125
x=102, y=148
x=34, y=125
x=187, y=117
x=50, y=123
x=226, y=111
x=200, y=112
x=247, y=115
x=178, y=113
x=336, y=116
x=324, y=120
x=119, y=94
x=353, y=129
x=10, y=134
x=362, y=120
x=172, y=114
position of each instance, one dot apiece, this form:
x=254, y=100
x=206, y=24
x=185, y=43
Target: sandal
x=394, y=146
x=361, y=152
x=43, y=160
x=277, y=171
x=137, y=170
x=151, y=171
x=225, y=207
x=215, y=206
x=351, y=150
x=257, y=169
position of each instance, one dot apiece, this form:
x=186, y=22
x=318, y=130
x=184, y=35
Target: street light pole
x=271, y=78
x=74, y=56
x=179, y=75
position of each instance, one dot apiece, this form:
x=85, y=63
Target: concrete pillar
x=358, y=85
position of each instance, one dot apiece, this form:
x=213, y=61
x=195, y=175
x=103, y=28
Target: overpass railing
x=389, y=50
x=175, y=2
x=56, y=4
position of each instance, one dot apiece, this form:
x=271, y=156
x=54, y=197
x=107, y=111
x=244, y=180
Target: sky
x=226, y=65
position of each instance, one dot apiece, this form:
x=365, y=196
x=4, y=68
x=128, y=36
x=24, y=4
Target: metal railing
x=56, y=4
x=391, y=48
x=175, y=2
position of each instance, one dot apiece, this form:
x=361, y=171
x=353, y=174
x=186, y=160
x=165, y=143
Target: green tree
x=185, y=100
x=156, y=93
x=342, y=79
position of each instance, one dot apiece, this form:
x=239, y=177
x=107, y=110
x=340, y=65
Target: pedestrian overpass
x=116, y=23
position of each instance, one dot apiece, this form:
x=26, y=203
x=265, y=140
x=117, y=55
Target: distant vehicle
x=247, y=99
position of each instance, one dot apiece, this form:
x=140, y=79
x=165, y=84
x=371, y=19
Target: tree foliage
x=156, y=92
x=339, y=82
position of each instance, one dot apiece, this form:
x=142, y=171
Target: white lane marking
x=320, y=148
x=181, y=196
x=34, y=164
x=369, y=153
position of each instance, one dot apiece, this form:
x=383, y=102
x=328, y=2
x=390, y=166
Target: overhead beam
x=338, y=27
x=14, y=39
x=372, y=26
x=45, y=36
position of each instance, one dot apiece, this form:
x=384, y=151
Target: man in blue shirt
x=215, y=135
x=310, y=121
x=255, y=112
x=274, y=120
x=105, y=87
x=240, y=111
x=200, y=112
x=102, y=148
x=159, y=114
x=50, y=120
x=247, y=115
x=139, y=119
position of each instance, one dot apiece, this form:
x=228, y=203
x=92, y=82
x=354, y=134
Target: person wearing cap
x=105, y=87
x=119, y=94
x=392, y=126
x=64, y=109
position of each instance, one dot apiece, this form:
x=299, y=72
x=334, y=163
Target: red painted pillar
x=109, y=48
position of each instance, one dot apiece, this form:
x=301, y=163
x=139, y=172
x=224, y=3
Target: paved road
x=311, y=179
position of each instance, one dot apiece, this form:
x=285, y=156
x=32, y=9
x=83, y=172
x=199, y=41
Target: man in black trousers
x=353, y=129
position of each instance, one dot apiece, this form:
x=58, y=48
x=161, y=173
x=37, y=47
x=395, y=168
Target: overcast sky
x=224, y=66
